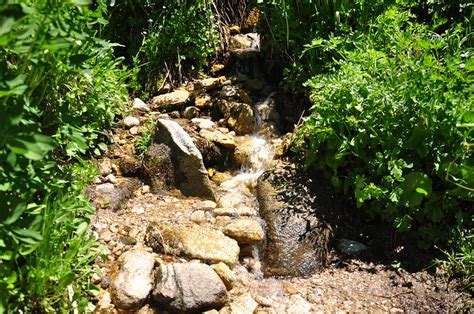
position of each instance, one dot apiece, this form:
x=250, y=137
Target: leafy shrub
x=165, y=38
x=392, y=124
x=60, y=86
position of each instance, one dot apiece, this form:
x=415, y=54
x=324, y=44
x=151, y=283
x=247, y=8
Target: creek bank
x=204, y=246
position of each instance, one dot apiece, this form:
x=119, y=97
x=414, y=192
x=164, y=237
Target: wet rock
x=191, y=112
x=193, y=241
x=252, y=153
x=268, y=114
x=231, y=92
x=189, y=287
x=213, y=82
x=206, y=124
x=244, y=231
x=297, y=237
x=131, y=121
x=158, y=168
x=226, y=274
x=108, y=195
x=218, y=137
x=133, y=281
x=220, y=177
x=243, y=304
x=190, y=175
x=170, y=101
x=238, y=116
x=203, y=102
x=139, y=105
x=130, y=166
x=350, y=247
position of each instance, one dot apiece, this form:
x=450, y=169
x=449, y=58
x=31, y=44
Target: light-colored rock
x=235, y=93
x=191, y=112
x=190, y=174
x=350, y=247
x=105, y=167
x=244, y=304
x=193, y=241
x=131, y=121
x=111, y=178
x=235, y=211
x=225, y=140
x=220, y=177
x=189, y=287
x=206, y=124
x=133, y=281
x=135, y=130
x=226, y=274
x=108, y=195
x=244, y=231
x=298, y=305
x=234, y=29
x=267, y=302
x=203, y=102
x=217, y=67
x=240, y=117
x=213, y=82
x=170, y=101
x=245, y=41
x=140, y=105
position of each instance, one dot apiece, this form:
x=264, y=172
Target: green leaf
x=20, y=208
x=415, y=186
x=33, y=147
x=27, y=235
x=82, y=2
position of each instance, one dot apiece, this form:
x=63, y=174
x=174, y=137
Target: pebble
x=131, y=121
x=140, y=105
x=111, y=178
x=96, y=279
x=135, y=130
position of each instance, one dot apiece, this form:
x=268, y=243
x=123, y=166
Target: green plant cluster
x=392, y=123
x=164, y=39
x=60, y=88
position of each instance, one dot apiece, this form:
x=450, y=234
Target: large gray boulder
x=193, y=241
x=190, y=175
x=298, y=238
x=133, y=282
x=189, y=287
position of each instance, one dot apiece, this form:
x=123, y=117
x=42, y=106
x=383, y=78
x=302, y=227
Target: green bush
x=392, y=123
x=60, y=87
x=165, y=39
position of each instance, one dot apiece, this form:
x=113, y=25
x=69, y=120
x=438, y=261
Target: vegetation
x=391, y=122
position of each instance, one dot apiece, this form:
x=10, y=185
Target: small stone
x=198, y=216
x=213, y=82
x=203, y=102
x=235, y=211
x=298, y=305
x=135, y=130
x=139, y=105
x=131, y=121
x=96, y=279
x=97, y=180
x=226, y=274
x=204, y=123
x=216, y=68
x=130, y=166
x=105, y=167
x=145, y=189
x=263, y=301
x=111, y=178
x=208, y=204
x=234, y=29
x=127, y=240
x=243, y=304
x=191, y=112
x=138, y=209
x=245, y=231
x=290, y=288
x=170, y=101
x=211, y=312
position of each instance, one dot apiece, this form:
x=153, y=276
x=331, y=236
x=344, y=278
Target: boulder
x=158, y=169
x=189, y=287
x=132, y=283
x=244, y=231
x=193, y=241
x=139, y=105
x=170, y=101
x=131, y=121
x=231, y=92
x=190, y=175
x=213, y=82
x=350, y=247
x=245, y=41
x=130, y=166
x=226, y=140
x=226, y=274
x=203, y=102
x=297, y=236
x=239, y=116
x=191, y=112
x=202, y=123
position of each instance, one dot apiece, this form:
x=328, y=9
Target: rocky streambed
x=211, y=218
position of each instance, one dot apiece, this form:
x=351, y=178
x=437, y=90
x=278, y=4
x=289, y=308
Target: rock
x=245, y=41
x=190, y=175
x=193, y=241
x=158, y=168
x=213, y=83
x=217, y=68
x=238, y=116
x=226, y=274
x=235, y=211
x=234, y=29
x=244, y=304
x=111, y=178
x=105, y=167
x=133, y=282
x=234, y=93
x=297, y=238
x=220, y=177
x=350, y=247
x=298, y=305
x=203, y=102
x=244, y=231
x=170, y=101
x=205, y=124
x=139, y=105
x=253, y=153
x=225, y=140
x=131, y=121
x=189, y=287
x=191, y=112
x=135, y=130
x=112, y=196
x=130, y=166
x=266, y=302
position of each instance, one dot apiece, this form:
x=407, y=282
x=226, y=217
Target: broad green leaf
x=32, y=147
x=27, y=235
x=81, y=2
x=413, y=184
x=20, y=208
